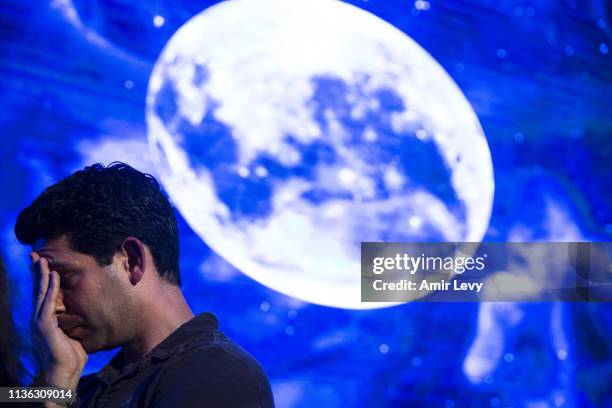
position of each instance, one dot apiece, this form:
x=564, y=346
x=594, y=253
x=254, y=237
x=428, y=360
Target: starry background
x=537, y=73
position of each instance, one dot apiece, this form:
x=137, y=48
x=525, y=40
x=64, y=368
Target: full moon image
x=288, y=132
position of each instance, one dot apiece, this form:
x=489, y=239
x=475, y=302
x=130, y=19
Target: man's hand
x=65, y=356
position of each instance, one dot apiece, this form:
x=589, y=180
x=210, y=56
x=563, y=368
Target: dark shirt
x=196, y=366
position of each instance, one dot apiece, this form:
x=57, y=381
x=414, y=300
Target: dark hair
x=12, y=372
x=98, y=207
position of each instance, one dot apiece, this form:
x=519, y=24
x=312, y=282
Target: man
x=105, y=249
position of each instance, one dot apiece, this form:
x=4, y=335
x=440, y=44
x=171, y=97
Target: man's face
x=94, y=303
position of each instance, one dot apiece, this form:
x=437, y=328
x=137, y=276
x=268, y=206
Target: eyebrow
x=53, y=265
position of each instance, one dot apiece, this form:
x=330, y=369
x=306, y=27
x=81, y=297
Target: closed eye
x=64, y=282
x=66, y=279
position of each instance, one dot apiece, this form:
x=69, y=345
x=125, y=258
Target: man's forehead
x=57, y=251
x=51, y=245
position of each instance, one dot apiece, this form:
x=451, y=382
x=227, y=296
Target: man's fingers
x=43, y=288
x=41, y=268
x=50, y=298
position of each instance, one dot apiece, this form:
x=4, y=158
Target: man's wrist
x=61, y=379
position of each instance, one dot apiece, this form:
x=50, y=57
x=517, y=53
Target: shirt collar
x=179, y=339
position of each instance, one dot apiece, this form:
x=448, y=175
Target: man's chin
x=91, y=346
x=87, y=339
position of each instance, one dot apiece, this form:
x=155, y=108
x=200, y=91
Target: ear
x=136, y=258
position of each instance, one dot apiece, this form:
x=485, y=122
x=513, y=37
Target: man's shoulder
x=216, y=355
x=218, y=371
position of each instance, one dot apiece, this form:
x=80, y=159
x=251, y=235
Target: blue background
x=539, y=76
